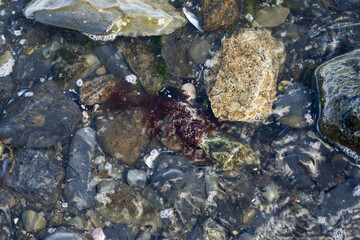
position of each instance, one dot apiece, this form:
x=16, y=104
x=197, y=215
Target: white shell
x=193, y=19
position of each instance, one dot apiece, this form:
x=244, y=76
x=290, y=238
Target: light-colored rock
x=241, y=84
x=272, y=16
x=108, y=17
x=33, y=222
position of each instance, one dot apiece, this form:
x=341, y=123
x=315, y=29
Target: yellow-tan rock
x=241, y=83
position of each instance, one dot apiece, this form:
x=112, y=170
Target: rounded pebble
x=33, y=222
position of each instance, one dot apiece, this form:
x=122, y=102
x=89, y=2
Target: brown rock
x=218, y=13
x=123, y=134
x=142, y=62
x=97, y=90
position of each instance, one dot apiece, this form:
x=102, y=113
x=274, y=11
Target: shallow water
x=303, y=188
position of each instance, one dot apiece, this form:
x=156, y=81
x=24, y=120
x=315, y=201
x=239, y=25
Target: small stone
x=79, y=222
x=98, y=234
x=199, y=51
x=56, y=219
x=97, y=90
x=6, y=64
x=272, y=16
x=33, y=222
x=101, y=71
x=249, y=216
x=64, y=236
x=190, y=91
x=137, y=179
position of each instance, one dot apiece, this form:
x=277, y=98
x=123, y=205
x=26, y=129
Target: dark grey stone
x=118, y=232
x=112, y=59
x=39, y=118
x=36, y=176
x=6, y=87
x=78, y=192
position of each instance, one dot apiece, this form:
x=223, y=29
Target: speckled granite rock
x=241, y=84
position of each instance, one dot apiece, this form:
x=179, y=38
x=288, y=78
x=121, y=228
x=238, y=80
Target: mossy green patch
x=66, y=53
x=155, y=47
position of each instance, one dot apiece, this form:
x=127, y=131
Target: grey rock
x=6, y=88
x=64, y=236
x=123, y=134
x=39, y=118
x=175, y=55
x=78, y=191
x=209, y=229
x=272, y=16
x=290, y=109
x=104, y=18
x=136, y=179
x=36, y=176
x=183, y=188
x=112, y=59
x=339, y=88
x=118, y=232
x=303, y=157
x=125, y=205
x=199, y=51
x=33, y=222
x=347, y=4
x=7, y=201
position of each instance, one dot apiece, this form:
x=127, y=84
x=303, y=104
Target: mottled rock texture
x=241, y=85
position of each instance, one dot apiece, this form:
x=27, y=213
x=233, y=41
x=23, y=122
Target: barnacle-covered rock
x=241, y=85
x=108, y=17
x=339, y=88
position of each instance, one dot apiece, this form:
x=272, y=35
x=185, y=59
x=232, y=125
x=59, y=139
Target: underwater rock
x=39, y=118
x=36, y=176
x=339, y=87
x=218, y=13
x=293, y=107
x=272, y=16
x=107, y=19
x=228, y=153
x=127, y=206
x=123, y=134
x=241, y=85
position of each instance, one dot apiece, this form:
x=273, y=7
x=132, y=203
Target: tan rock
x=241, y=84
x=97, y=90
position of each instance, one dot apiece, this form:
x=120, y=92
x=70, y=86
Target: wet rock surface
x=37, y=176
x=78, y=191
x=39, y=118
x=125, y=205
x=134, y=18
x=339, y=89
x=123, y=134
x=217, y=14
x=241, y=84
